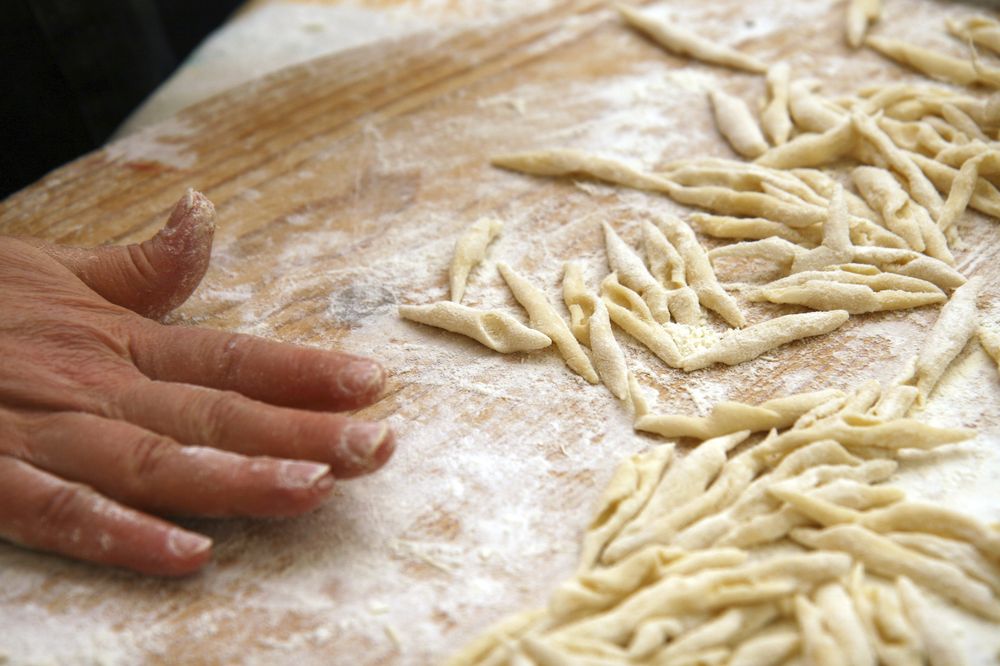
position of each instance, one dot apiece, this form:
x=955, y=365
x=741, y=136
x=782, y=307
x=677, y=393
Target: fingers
x=41, y=511
x=227, y=420
x=153, y=277
x=273, y=372
x=146, y=470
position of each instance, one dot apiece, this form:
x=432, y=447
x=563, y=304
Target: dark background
x=72, y=71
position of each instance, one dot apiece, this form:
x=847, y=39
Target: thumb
x=155, y=276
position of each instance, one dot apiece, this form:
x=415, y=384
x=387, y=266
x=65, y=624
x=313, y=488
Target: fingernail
x=361, y=441
x=186, y=544
x=361, y=377
x=302, y=474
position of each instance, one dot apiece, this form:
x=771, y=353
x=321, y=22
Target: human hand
x=106, y=414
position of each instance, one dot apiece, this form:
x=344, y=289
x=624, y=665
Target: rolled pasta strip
x=884, y=557
x=964, y=555
x=470, y=249
x=842, y=621
x=837, y=247
x=979, y=30
x=961, y=193
x=884, y=193
x=497, y=330
x=770, y=647
x=751, y=228
x=591, y=325
x=934, y=64
x=920, y=187
x=729, y=416
x=939, y=642
x=545, y=318
x=707, y=591
x=630, y=488
x=809, y=111
x=830, y=295
x=737, y=124
x=667, y=266
x=961, y=121
x=911, y=264
x=985, y=197
x=564, y=162
x=811, y=150
x=951, y=332
x=698, y=271
x=854, y=431
x=725, y=201
x=632, y=273
x=933, y=519
x=818, y=646
x=860, y=15
x=895, y=403
x=721, y=631
x=627, y=309
x=749, y=343
x=687, y=43
x=775, y=118
x=990, y=340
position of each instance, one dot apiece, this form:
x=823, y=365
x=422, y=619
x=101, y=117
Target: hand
x=106, y=414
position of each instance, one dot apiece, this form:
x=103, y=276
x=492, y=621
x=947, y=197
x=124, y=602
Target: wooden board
x=341, y=186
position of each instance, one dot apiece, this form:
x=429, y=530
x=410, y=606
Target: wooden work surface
x=341, y=186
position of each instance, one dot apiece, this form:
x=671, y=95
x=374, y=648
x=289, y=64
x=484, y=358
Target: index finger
x=277, y=373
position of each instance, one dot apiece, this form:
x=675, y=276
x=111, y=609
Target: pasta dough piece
x=920, y=187
x=632, y=273
x=985, y=197
x=633, y=483
x=728, y=417
x=837, y=247
x=469, y=251
x=497, y=330
x=725, y=201
x=562, y=162
x=934, y=64
x=938, y=642
x=770, y=647
x=737, y=124
x=841, y=620
x=684, y=42
x=723, y=226
x=726, y=628
x=667, y=266
x=775, y=118
x=961, y=193
x=698, y=271
x=809, y=111
x=818, y=647
x=545, y=318
x=963, y=555
x=627, y=309
x=591, y=325
x=901, y=215
x=850, y=290
x=882, y=556
x=990, y=340
x=749, y=343
x=853, y=432
x=978, y=30
x=811, y=150
x=911, y=264
x=860, y=15
x=952, y=330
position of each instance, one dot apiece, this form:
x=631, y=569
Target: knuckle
x=232, y=351
x=65, y=506
x=221, y=410
x=148, y=454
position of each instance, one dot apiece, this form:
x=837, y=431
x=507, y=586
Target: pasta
x=952, y=330
x=990, y=340
x=737, y=124
x=545, y=318
x=667, y=266
x=934, y=64
x=698, y=271
x=940, y=650
x=469, y=251
x=633, y=274
x=497, y=330
x=813, y=149
x=775, y=118
x=591, y=325
x=567, y=162
x=749, y=343
x=627, y=309
x=684, y=42
x=860, y=15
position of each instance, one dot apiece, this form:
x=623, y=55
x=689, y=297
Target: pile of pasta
x=776, y=540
